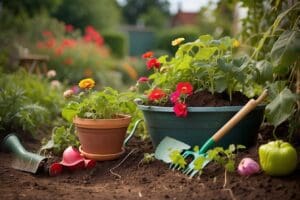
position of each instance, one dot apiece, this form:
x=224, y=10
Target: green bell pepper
x=277, y=158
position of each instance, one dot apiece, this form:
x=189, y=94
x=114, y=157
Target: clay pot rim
x=123, y=121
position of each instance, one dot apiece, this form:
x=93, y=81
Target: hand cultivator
x=168, y=145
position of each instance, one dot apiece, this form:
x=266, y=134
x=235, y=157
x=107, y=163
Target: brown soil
x=206, y=98
x=131, y=180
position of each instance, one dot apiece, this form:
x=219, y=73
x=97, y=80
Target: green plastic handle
x=207, y=145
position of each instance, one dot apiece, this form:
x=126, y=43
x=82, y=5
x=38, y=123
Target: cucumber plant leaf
x=281, y=108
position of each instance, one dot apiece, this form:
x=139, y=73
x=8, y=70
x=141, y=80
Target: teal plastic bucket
x=201, y=123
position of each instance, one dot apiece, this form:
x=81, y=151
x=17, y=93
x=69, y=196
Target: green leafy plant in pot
x=172, y=98
x=100, y=119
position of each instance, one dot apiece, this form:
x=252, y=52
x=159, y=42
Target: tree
x=102, y=14
x=30, y=7
x=134, y=10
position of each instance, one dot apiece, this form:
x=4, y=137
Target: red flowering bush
x=206, y=64
x=75, y=57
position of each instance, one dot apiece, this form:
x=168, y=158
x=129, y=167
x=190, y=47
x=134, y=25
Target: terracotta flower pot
x=102, y=139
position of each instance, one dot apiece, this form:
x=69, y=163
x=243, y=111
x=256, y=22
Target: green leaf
x=70, y=111
x=205, y=53
x=285, y=51
x=265, y=71
x=196, y=148
x=281, y=108
x=229, y=166
x=198, y=163
x=231, y=148
x=177, y=158
x=205, y=38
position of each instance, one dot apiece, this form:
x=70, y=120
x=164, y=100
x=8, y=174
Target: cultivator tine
x=173, y=166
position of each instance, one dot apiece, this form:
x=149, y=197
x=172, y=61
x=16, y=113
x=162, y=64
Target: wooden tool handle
x=239, y=116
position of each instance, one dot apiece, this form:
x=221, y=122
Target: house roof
x=184, y=18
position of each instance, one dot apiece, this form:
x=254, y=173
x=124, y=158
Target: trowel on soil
x=168, y=144
x=24, y=160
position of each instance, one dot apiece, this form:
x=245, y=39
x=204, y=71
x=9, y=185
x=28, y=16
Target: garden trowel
x=23, y=160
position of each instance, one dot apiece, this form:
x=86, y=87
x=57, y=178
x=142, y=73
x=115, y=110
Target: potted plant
x=191, y=95
x=100, y=119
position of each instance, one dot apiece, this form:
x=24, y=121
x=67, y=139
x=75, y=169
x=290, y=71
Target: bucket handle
x=132, y=131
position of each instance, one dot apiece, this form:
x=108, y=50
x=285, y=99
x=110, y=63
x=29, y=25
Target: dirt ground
x=130, y=180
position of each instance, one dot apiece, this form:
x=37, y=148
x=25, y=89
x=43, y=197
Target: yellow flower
x=177, y=41
x=87, y=83
x=236, y=43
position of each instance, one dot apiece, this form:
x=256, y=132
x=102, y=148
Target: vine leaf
x=281, y=108
x=285, y=51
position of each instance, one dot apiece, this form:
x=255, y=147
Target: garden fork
x=190, y=169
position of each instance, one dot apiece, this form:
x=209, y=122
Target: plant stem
x=225, y=179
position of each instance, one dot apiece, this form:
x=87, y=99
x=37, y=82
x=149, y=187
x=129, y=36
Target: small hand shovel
x=24, y=160
x=167, y=145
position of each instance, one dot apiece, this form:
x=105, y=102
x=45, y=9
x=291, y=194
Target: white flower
x=51, y=73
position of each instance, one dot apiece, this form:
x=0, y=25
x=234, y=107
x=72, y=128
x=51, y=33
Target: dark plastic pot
x=201, y=123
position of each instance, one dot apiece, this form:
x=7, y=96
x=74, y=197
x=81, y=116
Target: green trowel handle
x=132, y=131
x=233, y=121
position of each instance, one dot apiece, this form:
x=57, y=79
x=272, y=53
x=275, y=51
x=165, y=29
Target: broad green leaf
x=185, y=63
x=226, y=42
x=221, y=84
x=163, y=59
x=70, y=111
x=281, y=108
x=206, y=53
x=206, y=38
x=265, y=71
x=285, y=51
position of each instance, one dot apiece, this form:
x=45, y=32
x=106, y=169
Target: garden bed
x=145, y=181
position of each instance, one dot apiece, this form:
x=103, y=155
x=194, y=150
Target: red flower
x=175, y=97
x=180, y=109
x=68, y=61
x=156, y=94
x=184, y=88
x=153, y=62
x=143, y=79
x=68, y=43
x=148, y=54
x=91, y=35
x=50, y=43
x=69, y=28
x=47, y=34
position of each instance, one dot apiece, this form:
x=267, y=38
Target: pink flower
x=143, y=79
x=184, y=88
x=175, y=97
x=180, y=109
x=68, y=93
x=153, y=62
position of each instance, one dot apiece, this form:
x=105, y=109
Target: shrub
x=117, y=42
x=27, y=103
x=81, y=57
